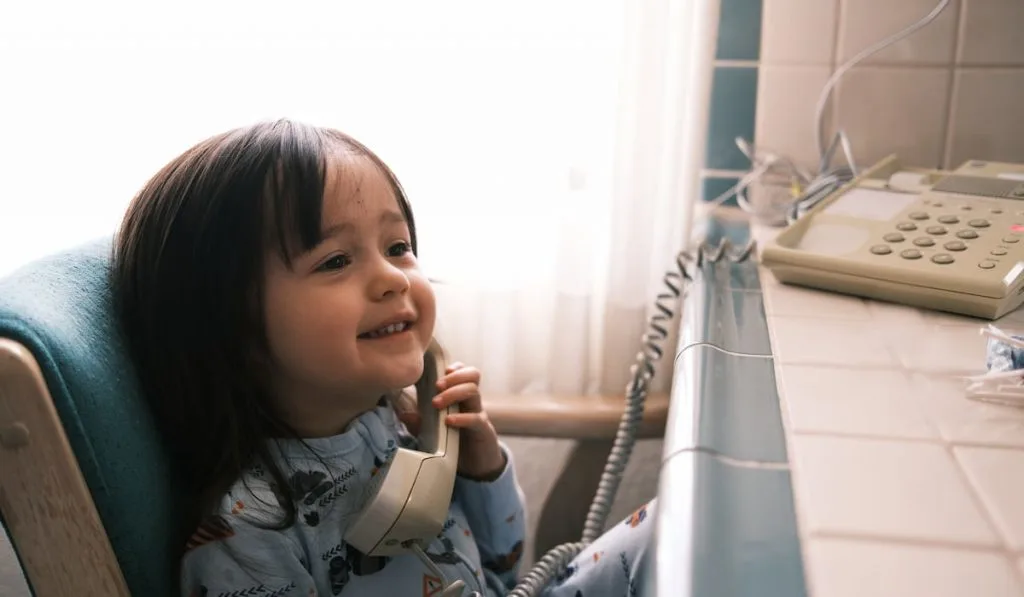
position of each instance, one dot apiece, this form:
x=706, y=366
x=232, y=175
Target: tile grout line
x=979, y=501
x=904, y=439
x=908, y=541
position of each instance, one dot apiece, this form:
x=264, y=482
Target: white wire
x=827, y=178
x=819, y=112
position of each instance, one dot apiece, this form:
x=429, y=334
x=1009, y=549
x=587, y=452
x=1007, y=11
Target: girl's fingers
x=459, y=376
x=466, y=394
x=468, y=420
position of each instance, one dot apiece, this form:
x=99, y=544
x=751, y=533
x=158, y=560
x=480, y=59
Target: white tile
x=952, y=319
x=991, y=32
x=845, y=568
x=887, y=110
x=798, y=31
x=986, y=116
x=1012, y=321
x=853, y=401
x=863, y=23
x=786, y=100
x=882, y=488
x=997, y=475
x=947, y=350
x=807, y=341
x=785, y=299
x=894, y=314
x=961, y=420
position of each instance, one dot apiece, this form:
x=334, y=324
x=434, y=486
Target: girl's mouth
x=386, y=331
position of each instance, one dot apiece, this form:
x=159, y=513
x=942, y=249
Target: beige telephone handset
x=411, y=505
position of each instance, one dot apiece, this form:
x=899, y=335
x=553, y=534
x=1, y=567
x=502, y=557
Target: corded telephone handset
x=411, y=505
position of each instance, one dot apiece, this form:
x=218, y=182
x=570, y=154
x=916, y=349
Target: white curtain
x=549, y=147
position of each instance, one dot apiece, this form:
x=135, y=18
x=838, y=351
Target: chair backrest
x=60, y=309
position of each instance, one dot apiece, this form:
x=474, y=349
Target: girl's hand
x=480, y=456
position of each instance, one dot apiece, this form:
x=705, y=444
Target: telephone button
x=936, y=230
x=918, y=215
x=987, y=264
x=955, y=245
x=949, y=219
x=924, y=241
x=893, y=237
x=942, y=259
x=967, y=234
x=998, y=251
x=910, y=254
x=906, y=226
x=881, y=249
x=1010, y=239
x=979, y=223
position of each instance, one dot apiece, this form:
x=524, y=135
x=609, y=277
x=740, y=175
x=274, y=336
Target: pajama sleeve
x=496, y=514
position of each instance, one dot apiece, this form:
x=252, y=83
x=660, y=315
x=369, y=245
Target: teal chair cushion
x=60, y=309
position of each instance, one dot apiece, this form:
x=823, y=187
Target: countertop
x=903, y=485
x=821, y=444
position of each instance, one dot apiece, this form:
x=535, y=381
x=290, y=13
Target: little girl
x=269, y=291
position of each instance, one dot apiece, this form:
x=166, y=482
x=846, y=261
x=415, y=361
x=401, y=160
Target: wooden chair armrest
x=572, y=417
x=45, y=503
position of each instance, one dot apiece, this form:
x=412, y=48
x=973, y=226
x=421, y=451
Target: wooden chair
x=85, y=490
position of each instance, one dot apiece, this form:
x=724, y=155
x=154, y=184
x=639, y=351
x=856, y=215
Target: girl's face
x=351, y=319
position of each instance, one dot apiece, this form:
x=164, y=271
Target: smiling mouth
x=386, y=331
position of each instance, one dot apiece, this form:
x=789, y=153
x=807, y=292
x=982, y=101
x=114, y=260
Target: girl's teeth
x=387, y=330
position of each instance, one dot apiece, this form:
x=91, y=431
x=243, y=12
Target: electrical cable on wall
x=803, y=191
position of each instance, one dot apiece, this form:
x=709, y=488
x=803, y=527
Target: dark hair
x=188, y=269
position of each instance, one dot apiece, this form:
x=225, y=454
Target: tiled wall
x=733, y=94
x=952, y=91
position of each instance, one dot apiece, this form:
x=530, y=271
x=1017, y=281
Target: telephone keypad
x=952, y=224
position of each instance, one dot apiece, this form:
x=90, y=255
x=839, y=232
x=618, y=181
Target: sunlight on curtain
x=531, y=138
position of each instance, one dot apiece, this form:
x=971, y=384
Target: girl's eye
x=399, y=249
x=335, y=263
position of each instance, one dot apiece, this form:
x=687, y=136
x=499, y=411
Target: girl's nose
x=387, y=280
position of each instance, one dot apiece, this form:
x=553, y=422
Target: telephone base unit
x=942, y=240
